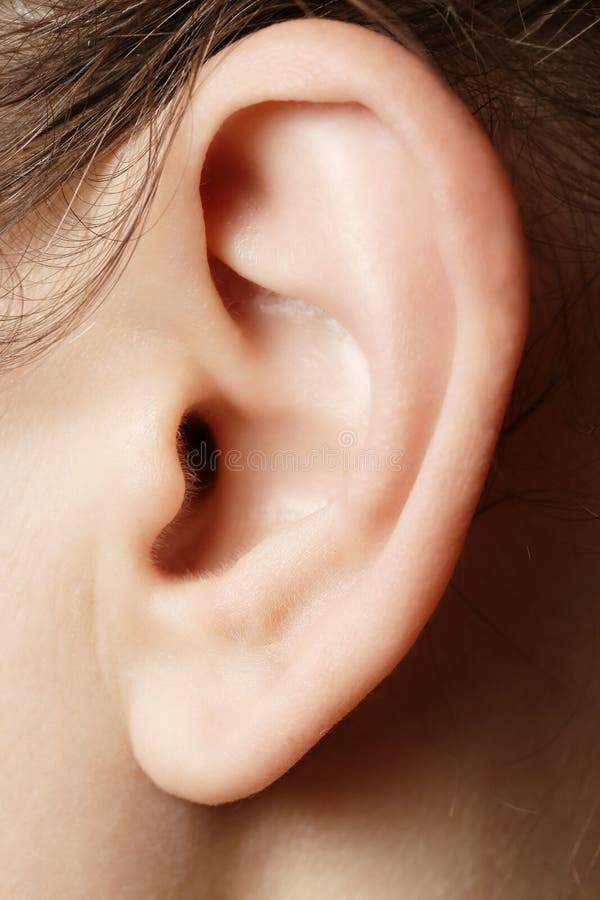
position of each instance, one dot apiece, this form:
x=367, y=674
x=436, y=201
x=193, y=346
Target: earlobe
x=362, y=290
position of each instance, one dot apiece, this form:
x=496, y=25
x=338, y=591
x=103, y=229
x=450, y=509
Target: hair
x=80, y=78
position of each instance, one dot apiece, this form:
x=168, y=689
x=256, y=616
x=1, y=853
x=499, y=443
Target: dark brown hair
x=79, y=77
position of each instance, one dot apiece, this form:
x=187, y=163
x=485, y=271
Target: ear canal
x=357, y=314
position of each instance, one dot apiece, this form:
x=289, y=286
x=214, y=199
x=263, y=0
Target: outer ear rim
x=320, y=80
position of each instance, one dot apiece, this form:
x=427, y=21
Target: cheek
x=46, y=585
x=45, y=525
x=54, y=422
x=46, y=546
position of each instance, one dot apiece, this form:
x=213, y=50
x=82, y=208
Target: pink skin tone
x=334, y=249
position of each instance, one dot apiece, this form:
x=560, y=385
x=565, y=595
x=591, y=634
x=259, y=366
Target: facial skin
x=333, y=250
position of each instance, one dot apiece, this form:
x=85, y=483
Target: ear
x=334, y=271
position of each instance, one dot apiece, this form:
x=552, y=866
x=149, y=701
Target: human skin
x=469, y=771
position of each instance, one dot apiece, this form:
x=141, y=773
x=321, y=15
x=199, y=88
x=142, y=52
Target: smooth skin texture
x=334, y=249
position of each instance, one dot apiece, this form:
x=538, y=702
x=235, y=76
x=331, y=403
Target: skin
x=165, y=736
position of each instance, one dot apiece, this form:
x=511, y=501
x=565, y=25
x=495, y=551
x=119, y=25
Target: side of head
x=235, y=490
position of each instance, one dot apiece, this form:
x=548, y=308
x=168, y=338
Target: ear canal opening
x=199, y=457
x=175, y=550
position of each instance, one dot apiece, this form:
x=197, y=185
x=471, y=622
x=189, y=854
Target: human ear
x=334, y=272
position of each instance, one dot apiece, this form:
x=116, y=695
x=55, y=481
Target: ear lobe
x=365, y=242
